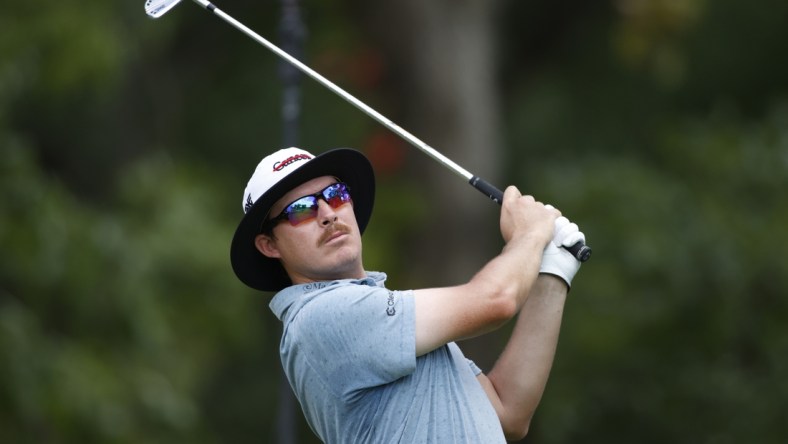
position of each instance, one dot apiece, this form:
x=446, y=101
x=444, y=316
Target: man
x=373, y=365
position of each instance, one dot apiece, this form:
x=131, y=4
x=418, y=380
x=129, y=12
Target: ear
x=267, y=246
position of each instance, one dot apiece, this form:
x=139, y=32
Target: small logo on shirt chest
x=390, y=310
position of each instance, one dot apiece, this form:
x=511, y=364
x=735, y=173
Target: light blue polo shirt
x=349, y=351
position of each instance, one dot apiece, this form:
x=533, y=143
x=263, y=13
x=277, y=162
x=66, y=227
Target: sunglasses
x=305, y=208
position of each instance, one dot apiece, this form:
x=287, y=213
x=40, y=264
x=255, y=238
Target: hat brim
x=267, y=274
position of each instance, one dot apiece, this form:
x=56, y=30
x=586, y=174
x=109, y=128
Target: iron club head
x=157, y=8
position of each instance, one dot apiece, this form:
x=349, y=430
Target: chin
x=344, y=266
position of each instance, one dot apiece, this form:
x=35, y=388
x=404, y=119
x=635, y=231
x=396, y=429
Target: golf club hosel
x=205, y=4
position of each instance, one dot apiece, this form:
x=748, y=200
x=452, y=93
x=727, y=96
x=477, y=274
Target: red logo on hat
x=278, y=166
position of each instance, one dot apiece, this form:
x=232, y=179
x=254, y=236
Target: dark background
x=660, y=127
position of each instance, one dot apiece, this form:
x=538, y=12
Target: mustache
x=336, y=227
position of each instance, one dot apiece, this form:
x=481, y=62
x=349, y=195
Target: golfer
x=374, y=365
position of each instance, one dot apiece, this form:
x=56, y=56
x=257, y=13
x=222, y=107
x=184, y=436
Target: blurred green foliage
x=661, y=127
x=116, y=323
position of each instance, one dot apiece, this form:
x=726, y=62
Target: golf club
x=157, y=8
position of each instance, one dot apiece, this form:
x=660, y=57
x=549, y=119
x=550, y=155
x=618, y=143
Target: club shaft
x=415, y=141
x=579, y=250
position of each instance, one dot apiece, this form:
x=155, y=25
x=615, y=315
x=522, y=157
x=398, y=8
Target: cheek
x=299, y=242
x=292, y=244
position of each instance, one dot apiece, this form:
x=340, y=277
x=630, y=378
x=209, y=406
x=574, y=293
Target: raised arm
x=517, y=381
x=498, y=291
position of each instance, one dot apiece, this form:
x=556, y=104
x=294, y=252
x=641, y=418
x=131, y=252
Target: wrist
x=527, y=241
x=559, y=263
x=553, y=281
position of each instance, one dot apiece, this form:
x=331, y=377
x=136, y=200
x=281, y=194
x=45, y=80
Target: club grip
x=487, y=189
x=580, y=250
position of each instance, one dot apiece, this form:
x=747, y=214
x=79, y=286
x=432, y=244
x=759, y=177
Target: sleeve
x=359, y=337
x=474, y=368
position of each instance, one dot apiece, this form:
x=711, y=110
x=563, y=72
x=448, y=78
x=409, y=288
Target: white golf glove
x=558, y=261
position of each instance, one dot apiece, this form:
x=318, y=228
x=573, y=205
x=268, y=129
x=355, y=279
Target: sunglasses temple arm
x=580, y=250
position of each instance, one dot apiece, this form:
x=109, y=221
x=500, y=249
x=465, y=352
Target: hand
x=524, y=216
x=557, y=260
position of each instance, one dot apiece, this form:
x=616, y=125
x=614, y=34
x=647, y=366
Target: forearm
x=489, y=300
x=513, y=272
x=520, y=375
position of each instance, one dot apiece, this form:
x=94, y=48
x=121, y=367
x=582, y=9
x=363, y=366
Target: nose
x=325, y=214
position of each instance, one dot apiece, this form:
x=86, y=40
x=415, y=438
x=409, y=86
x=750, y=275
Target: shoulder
x=353, y=300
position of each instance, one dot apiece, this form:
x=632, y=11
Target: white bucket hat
x=276, y=175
